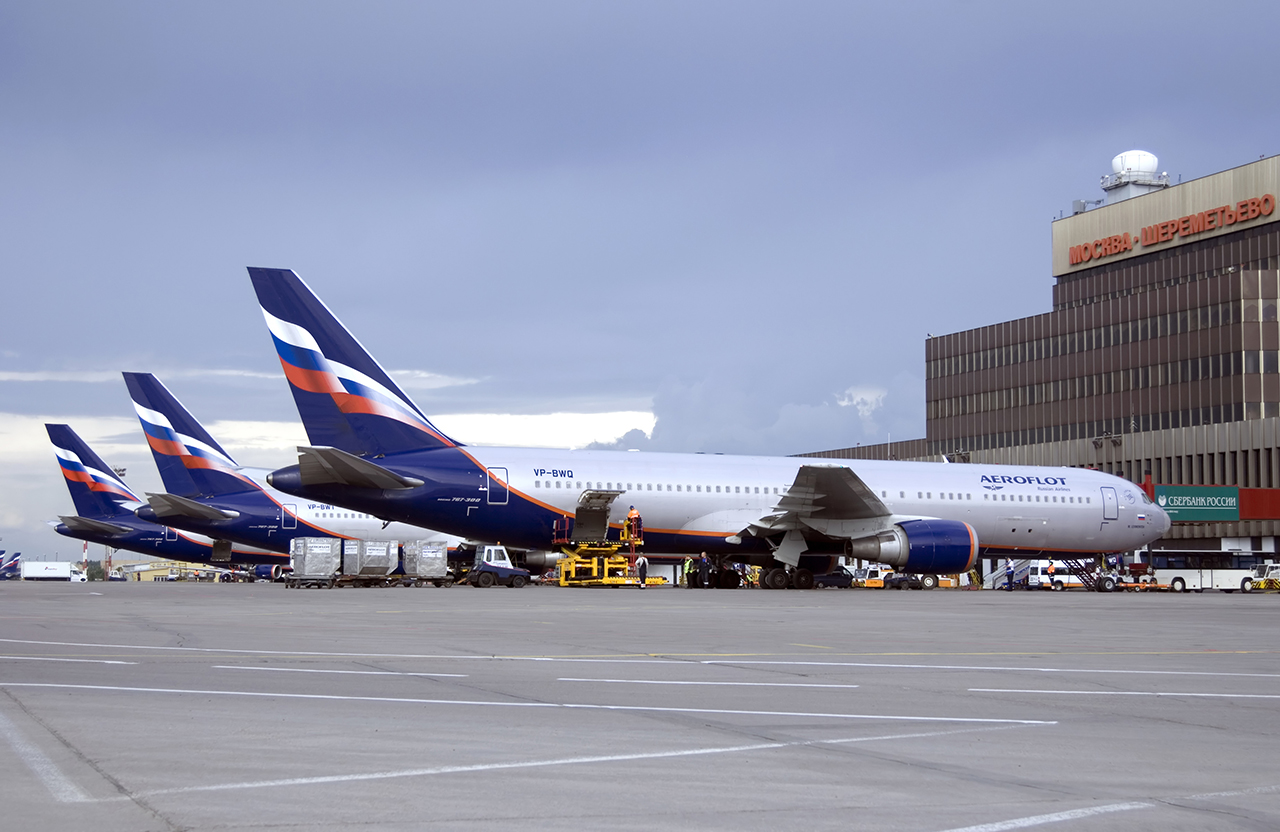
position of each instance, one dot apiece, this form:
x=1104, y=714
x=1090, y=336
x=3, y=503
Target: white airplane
x=374, y=451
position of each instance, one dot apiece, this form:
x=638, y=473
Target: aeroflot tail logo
x=1008, y=480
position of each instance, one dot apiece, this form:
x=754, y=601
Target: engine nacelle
x=938, y=547
x=268, y=572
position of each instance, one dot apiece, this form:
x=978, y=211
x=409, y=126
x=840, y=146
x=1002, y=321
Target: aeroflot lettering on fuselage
x=553, y=473
x=1004, y=478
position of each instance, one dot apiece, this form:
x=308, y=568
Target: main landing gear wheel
x=776, y=579
x=802, y=579
x=728, y=579
x=929, y=582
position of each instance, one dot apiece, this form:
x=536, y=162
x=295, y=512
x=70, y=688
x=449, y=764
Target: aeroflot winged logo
x=162, y=438
x=307, y=368
x=103, y=482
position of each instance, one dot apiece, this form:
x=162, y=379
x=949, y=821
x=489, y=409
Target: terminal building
x=1159, y=361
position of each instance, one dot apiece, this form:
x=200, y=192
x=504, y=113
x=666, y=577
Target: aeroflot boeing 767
x=374, y=451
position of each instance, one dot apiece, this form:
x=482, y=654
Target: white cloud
x=424, y=380
x=548, y=430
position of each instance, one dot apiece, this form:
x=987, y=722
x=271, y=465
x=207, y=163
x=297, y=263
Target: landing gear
x=775, y=579
x=802, y=579
x=928, y=581
x=728, y=579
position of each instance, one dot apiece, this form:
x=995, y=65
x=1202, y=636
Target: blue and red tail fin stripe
x=95, y=489
x=346, y=400
x=190, y=460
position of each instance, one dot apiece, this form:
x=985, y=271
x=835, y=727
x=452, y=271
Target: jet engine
x=266, y=572
x=939, y=547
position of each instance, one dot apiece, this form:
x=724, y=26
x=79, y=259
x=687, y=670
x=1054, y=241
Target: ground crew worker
x=704, y=572
x=688, y=572
x=1008, y=574
x=633, y=521
x=642, y=569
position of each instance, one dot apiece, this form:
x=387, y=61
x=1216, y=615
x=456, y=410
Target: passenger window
x=628, y=486
x=557, y=483
x=669, y=487
x=919, y=495
x=902, y=494
x=717, y=489
x=737, y=490
x=699, y=489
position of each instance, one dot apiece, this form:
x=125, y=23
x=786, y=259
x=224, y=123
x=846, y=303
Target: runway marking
x=565, y=705
x=1132, y=693
x=731, y=684
x=988, y=667
x=1056, y=817
x=815, y=646
x=621, y=658
x=49, y=659
x=62, y=789
x=563, y=761
x=656, y=681
x=1234, y=793
x=352, y=672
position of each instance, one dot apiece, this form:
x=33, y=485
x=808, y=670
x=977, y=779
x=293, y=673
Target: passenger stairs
x=999, y=579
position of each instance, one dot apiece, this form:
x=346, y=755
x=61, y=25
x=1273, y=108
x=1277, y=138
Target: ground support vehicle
x=599, y=566
x=883, y=577
x=1266, y=577
x=1198, y=580
x=425, y=562
x=50, y=570
x=316, y=563
x=493, y=566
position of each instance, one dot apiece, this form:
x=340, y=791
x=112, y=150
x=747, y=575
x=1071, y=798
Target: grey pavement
x=199, y=707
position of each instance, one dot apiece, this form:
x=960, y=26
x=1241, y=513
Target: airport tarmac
x=206, y=706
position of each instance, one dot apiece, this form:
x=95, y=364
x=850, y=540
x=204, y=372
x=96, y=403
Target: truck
x=493, y=566
x=1266, y=576
x=53, y=570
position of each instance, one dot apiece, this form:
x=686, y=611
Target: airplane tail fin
x=346, y=400
x=95, y=488
x=191, y=462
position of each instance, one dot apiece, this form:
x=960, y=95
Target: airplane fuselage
x=693, y=502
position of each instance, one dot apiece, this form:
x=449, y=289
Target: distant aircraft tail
x=95, y=489
x=11, y=562
x=191, y=462
x=346, y=400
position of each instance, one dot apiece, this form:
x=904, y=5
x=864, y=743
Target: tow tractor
x=493, y=566
x=588, y=556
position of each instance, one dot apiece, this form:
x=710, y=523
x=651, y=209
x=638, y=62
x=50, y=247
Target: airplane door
x=1110, y=504
x=497, y=489
x=288, y=516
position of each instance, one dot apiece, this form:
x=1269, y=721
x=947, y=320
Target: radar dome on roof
x=1138, y=161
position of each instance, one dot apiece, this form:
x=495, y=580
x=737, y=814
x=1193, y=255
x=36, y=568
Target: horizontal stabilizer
x=330, y=466
x=171, y=505
x=102, y=527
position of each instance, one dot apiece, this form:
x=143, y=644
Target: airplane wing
x=321, y=466
x=85, y=524
x=824, y=493
x=171, y=505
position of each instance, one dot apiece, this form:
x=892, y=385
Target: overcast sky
x=720, y=226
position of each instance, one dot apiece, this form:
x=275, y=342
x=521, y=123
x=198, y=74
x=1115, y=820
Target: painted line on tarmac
x=62, y=789
x=1131, y=693
x=562, y=761
x=1056, y=817
x=350, y=672
x=50, y=659
x=985, y=667
x=1234, y=793
x=565, y=705
x=342, y=655
x=728, y=684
